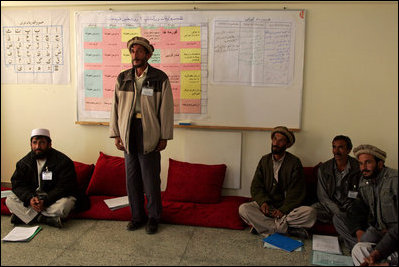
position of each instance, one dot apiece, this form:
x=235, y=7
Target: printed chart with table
x=180, y=43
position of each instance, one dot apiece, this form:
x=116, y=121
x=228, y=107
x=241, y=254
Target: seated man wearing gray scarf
x=371, y=224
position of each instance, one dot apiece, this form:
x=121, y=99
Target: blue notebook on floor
x=284, y=242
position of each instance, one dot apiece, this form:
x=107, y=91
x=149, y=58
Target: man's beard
x=278, y=150
x=39, y=154
x=373, y=175
x=141, y=63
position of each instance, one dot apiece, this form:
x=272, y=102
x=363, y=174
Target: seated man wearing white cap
x=44, y=184
x=371, y=224
x=278, y=190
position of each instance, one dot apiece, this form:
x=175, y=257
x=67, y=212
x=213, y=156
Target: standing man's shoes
x=132, y=225
x=152, y=226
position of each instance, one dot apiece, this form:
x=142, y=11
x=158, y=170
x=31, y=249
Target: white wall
x=350, y=88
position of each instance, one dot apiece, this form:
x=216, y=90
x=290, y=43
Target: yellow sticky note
x=190, y=55
x=128, y=33
x=190, y=34
x=190, y=84
x=126, y=58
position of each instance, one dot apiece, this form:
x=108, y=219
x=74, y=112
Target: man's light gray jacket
x=157, y=109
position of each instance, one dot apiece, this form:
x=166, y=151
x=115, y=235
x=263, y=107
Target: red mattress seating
x=186, y=200
x=192, y=195
x=198, y=203
x=220, y=215
x=4, y=208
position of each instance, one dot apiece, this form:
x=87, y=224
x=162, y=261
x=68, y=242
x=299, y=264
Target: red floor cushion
x=4, y=208
x=220, y=215
x=193, y=182
x=83, y=174
x=109, y=178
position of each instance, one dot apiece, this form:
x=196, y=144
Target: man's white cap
x=40, y=131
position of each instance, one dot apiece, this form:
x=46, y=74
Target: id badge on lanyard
x=47, y=175
x=352, y=194
x=147, y=90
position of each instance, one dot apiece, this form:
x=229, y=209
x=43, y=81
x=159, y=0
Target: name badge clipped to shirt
x=47, y=175
x=147, y=91
x=352, y=194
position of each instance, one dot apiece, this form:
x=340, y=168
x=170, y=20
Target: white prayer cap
x=40, y=131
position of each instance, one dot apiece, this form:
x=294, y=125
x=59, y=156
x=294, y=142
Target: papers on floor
x=327, y=259
x=22, y=234
x=283, y=242
x=117, y=203
x=326, y=252
x=5, y=193
x=326, y=243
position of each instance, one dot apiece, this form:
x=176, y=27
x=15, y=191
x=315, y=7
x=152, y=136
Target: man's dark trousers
x=142, y=176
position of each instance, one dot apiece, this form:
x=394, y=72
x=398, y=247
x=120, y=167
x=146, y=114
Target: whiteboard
x=251, y=69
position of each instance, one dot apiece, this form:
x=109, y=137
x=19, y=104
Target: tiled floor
x=101, y=242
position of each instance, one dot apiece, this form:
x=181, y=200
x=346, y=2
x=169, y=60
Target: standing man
x=373, y=218
x=278, y=190
x=44, y=184
x=338, y=180
x=141, y=123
